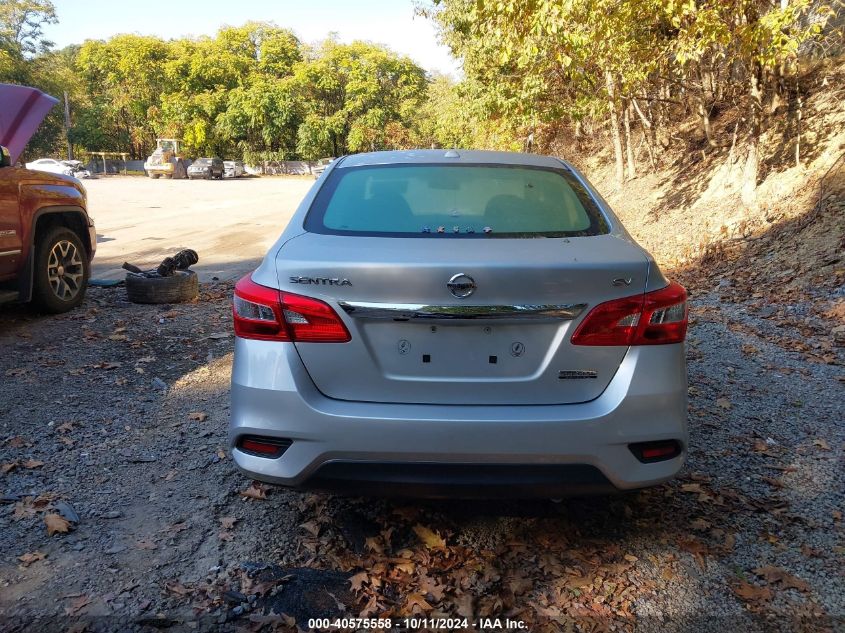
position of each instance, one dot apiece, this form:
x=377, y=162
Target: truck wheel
x=61, y=271
x=181, y=286
x=152, y=175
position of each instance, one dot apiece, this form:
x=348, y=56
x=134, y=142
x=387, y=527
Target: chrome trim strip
x=15, y=252
x=420, y=312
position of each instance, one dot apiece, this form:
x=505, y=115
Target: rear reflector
x=270, y=447
x=653, y=318
x=648, y=452
x=267, y=314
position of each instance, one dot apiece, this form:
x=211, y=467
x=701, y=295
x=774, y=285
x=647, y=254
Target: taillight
x=268, y=314
x=653, y=318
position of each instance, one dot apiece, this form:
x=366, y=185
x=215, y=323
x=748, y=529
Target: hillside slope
x=788, y=249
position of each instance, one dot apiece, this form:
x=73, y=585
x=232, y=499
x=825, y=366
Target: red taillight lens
x=653, y=318
x=268, y=314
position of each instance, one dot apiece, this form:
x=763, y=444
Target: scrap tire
x=182, y=286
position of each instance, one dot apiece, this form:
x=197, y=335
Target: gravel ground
x=114, y=417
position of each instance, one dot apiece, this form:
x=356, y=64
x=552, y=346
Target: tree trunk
x=614, y=127
x=798, y=114
x=704, y=115
x=755, y=114
x=629, y=146
x=648, y=134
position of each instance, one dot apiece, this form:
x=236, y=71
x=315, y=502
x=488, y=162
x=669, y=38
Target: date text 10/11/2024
x=446, y=624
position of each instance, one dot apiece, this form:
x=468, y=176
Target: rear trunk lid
x=414, y=341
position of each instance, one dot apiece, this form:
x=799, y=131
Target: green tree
x=358, y=97
x=125, y=77
x=22, y=26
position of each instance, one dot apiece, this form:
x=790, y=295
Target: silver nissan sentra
x=458, y=323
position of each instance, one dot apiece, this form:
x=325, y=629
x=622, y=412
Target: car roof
x=448, y=157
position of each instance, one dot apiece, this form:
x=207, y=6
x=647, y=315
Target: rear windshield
x=454, y=201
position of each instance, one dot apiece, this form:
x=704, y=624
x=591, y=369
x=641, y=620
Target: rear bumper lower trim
x=467, y=481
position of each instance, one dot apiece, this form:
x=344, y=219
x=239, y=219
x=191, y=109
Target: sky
x=388, y=22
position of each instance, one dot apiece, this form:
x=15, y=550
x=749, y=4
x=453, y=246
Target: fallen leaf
x=724, y=403
x=9, y=467
x=312, y=527
x=776, y=574
x=178, y=588
x=147, y=544
x=358, y=580
x=775, y=483
x=198, y=416
x=33, y=463
x=520, y=586
x=17, y=371
x=631, y=558
x=31, y=557
x=810, y=552
x=700, y=524
x=255, y=491
x=77, y=605
x=431, y=539
x=430, y=588
x=748, y=591
x=227, y=523
x=822, y=444
x=405, y=565
x=226, y=535
x=416, y=602
x=697, y=548
x=56, y=523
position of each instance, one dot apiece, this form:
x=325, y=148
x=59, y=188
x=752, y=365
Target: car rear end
x=473, y=324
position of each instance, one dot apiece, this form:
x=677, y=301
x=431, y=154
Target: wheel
x=181, y=286
x=61, y=271
x=152, y=175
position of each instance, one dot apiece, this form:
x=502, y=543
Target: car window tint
x=455, y=200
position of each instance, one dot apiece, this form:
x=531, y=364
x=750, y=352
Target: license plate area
x=463, y=351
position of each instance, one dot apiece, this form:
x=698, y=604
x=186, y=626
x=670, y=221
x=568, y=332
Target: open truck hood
x=21, y=111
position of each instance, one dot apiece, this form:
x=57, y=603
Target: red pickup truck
x=47, y=239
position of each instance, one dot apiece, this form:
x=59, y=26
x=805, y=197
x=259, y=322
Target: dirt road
x=230, y=223
x=112, y=436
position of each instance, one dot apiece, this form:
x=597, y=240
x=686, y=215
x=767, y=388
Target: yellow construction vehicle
x=165, y=161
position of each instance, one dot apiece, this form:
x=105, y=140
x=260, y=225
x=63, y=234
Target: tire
x=152, y=175
x=61, y=271
x=182, y=286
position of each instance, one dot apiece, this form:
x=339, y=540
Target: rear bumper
x=428, y=450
